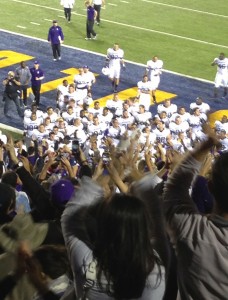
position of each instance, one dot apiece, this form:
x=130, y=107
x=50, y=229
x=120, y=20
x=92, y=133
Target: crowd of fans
x=86, y=192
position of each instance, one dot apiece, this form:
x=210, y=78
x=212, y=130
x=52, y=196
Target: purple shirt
x=90, y=13
x=36, y=73
x=55, y=34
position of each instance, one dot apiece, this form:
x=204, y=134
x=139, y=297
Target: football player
x=154, y=71
x=221, y=77
x=114, y=59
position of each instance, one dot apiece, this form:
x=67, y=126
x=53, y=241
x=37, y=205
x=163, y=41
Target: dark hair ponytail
x=123, y=248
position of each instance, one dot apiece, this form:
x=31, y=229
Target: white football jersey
x=161, y=135
x=96, y=112
x=40, y=135
x=169, y=110
x=53, y=117
x=106, y=119
x=115, y=132
x=222, y=66
x=62, y=89
x=124, y=122
x=177, y=128
x=144, y=87
x=143, y=117
x=184, y=117
x=31, y=125
x=224, y=143
x=89, y=77
x=111, y=104
x=71, y=129
x=81, y=81
x=98, y=129
x=196, y=122
x=39, y=113
x=154, y=67
x=204, y=107
x=221, y=126
x=180, y=147
x=115, y=57
x=68, y=117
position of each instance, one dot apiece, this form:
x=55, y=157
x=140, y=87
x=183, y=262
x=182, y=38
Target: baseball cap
x=36, y=62
x=61, y=191
x=55, y=21
x=85, y=67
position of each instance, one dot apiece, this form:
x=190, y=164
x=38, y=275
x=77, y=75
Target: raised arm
x=177, y=201
x=73, y=221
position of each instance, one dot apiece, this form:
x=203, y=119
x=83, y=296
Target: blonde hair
x=88, y=2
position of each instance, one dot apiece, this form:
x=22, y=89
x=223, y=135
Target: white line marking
x=112, y=4
x=34, y=23
x=48, y=20
x=7, y=127
x=19, y=26
x=61, y=17
x=188, y=9
x=169, y=34
x=99, y=54
x=132, y=26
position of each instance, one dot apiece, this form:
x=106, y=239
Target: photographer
x=11, y=93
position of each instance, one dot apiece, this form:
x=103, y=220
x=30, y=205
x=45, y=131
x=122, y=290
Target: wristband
x=16, y=166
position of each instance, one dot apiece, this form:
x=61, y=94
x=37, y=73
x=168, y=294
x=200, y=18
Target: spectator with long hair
x=112, y=241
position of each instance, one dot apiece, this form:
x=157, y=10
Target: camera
x=75, y=147
x=106, y=158
x=58, y=158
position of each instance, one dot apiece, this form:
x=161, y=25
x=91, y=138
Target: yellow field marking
x=132, y=92
x=217, y=115
x=52, y=85
x=8, y=58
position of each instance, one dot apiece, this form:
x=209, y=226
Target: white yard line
x=112, y=4
x=169, y=34
x=185, y=8
x=124, y=1
x=23, y=27
x=34, y=23
x=135, y=27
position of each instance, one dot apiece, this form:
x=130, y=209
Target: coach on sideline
x=56, y=38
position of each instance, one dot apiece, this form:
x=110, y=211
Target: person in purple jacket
x=91, y=16
x=37, y=77
x=56, y=38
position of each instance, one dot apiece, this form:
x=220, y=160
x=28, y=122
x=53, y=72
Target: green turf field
x=186, y=35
